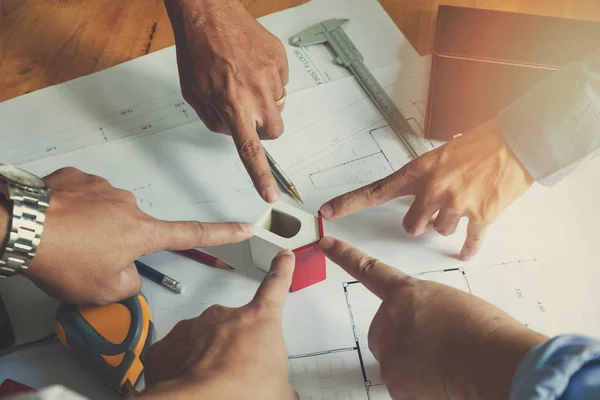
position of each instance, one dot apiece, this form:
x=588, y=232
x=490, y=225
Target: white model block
x=282, y=226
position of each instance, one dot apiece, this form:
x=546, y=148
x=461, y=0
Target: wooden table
x=45, y=42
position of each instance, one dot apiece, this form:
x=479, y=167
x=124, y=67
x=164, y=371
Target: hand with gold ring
x=233, y=73
x=281, y=100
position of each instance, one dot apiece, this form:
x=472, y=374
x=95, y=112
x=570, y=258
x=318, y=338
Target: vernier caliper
x=348, y=56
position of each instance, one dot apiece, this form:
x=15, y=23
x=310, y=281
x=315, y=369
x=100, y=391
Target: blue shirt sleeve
x=563, y=368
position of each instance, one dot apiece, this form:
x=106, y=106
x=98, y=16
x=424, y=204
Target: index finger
x=253, y=157
x=375, y=275
x=400, y=183
x=276, y=285
x=184, y=235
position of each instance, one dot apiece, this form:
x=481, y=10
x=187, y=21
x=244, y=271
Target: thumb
x=276, y=285
x=184, y=235
x=401, y=183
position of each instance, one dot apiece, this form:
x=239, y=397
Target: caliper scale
x=348, y=56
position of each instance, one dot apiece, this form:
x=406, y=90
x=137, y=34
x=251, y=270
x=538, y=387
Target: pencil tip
x=223, y=265
x=295, y=193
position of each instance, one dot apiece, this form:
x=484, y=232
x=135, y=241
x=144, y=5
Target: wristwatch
x=30, y=197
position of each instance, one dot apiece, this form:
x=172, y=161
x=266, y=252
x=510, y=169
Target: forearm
x=485, y=370
x=556, y=125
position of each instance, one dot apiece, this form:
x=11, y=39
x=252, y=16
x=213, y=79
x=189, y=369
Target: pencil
x=282, y=178
x=158, y=277
x=204, y=258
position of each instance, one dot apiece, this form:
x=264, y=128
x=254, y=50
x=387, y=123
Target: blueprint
x=130, y=125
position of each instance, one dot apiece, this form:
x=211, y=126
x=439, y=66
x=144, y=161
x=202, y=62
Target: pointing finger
x=375, y=275
x=474, y=240
x=276, y=285
x=184, y=235
x=253, y=157
x=400, y=183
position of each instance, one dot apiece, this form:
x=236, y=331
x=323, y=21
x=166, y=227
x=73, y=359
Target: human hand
x=232, y=71
x=93, y=233
x=228, y=353
x=433, y=341
x=475, y=175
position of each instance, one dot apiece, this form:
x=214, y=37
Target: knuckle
x=126, y=195
x=199, y=230
x=69, y=171
x=98, y=180
x=374, y=191
x=272, y=68
x=274, y=129
x=249, y=315
x=368, y=264
x=481, y=217
x=215, y=310
x=409, y=226
x=249, y=150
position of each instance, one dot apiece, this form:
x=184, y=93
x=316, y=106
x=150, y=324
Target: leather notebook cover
x=484, y=60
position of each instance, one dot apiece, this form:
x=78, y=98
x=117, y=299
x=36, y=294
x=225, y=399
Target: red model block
x=9, y=388
x=310, y=264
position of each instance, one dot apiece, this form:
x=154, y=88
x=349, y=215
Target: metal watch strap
x=26, y=229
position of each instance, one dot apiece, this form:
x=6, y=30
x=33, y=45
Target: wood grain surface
x=45, y=42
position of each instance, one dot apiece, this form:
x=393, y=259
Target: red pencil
x=204, y=258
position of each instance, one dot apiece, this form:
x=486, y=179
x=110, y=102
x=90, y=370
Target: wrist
x=485, y=369
x=198, y=12
x=510, y=154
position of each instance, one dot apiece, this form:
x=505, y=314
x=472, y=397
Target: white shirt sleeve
x=556, y=125
x=55, y=392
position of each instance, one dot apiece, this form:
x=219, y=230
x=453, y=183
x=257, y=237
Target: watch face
x=20, y=177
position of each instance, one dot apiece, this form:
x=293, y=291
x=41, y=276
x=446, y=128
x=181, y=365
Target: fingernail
x=271, y=194
x=326, y=243
x=326, y=210
x=466, y=255
x=285, y=252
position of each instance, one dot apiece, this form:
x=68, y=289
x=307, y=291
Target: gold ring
x=281, y=100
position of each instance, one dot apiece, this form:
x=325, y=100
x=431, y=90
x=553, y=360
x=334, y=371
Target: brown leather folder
x=483, y=60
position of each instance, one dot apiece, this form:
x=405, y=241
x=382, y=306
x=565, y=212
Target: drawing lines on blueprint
x=152, y=116
x=372, y=155
x=327, y=375
x=515, y=262
x=513, y=285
